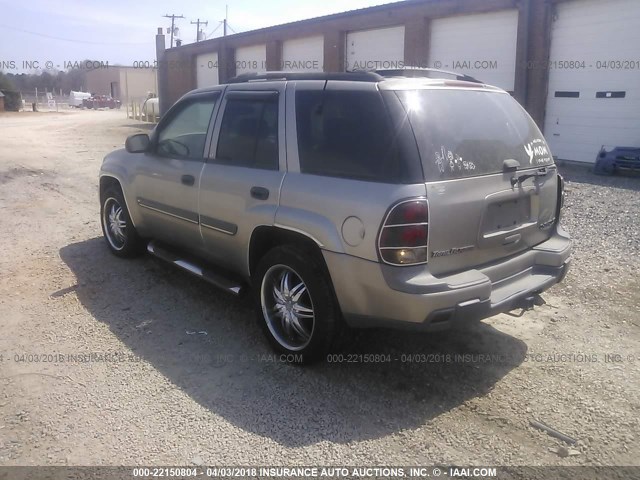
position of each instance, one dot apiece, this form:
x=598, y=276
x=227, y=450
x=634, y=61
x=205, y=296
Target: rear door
x=490, y=178
x=240, y=183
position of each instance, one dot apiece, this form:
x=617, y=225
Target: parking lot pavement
x=106, y=361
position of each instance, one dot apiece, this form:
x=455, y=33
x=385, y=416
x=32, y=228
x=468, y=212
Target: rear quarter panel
x=343, y=216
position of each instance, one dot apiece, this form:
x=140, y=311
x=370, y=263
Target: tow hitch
x=531, y=301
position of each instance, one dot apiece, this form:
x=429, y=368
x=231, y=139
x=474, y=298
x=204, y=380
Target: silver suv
x=345, y=200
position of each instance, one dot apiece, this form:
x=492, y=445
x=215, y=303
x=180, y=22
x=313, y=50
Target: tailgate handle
x=512, y=239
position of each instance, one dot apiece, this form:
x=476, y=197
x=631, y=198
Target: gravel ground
x=158, y=391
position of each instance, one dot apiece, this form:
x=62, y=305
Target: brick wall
x=415, y=15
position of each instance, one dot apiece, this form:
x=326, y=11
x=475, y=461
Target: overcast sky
x=122, y=31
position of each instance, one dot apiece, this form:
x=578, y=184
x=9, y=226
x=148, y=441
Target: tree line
x=13, y=84
x=55, y=81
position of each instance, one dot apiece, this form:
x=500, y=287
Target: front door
x=166, y=181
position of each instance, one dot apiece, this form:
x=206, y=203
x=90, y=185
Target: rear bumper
x=375, y=295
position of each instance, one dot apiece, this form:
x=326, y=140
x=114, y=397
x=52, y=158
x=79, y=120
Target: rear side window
x=464, y=133
x=348, y=134
x=249, y=134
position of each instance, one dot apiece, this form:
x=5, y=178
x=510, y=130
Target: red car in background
x=101, y=101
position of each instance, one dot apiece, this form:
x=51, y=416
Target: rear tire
x=295, y=304
x=118, y=230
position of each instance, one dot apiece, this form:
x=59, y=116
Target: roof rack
x=353, y=76
x=416, y=72
x=265, y=76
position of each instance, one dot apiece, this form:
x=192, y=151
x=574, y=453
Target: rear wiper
x=541, y=172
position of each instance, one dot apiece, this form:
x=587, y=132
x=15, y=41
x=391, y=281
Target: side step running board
x=206, y=273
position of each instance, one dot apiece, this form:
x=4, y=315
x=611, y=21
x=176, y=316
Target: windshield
x=463, y=133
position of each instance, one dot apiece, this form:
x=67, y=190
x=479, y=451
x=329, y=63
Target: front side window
x=185, y=134
x=249, y=134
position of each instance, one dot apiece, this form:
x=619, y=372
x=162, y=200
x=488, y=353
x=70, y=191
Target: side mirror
x=137, y=143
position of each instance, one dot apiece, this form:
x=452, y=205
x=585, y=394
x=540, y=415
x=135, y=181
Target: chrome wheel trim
x=287, y=307
x=114, y=223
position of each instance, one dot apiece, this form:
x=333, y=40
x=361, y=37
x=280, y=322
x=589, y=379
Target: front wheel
x=295, y=304
x=121, y=236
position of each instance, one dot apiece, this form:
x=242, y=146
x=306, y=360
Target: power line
x=210, y=34
x=223, y=23
x=44, y=35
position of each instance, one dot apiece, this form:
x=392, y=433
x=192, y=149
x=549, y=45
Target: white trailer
x=76, y=98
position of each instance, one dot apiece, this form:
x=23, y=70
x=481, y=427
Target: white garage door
x=594, y=78
x=251, y=59
x=303, y=54
x=207, y=69
x=481, y=45
x=381, y=48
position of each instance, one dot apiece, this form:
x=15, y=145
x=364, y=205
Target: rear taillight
x=560, y=202
x=405, y=232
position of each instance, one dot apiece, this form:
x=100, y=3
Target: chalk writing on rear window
x=446, y=160
x=537, y=152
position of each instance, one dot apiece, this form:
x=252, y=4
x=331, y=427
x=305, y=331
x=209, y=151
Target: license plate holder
x=507, y=215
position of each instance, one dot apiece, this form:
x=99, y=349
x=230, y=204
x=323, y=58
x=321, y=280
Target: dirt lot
x=103, y=362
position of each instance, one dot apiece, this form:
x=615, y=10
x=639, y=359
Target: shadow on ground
x=158, y=312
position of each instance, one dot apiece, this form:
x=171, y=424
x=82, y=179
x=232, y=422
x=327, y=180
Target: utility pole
x=173, y=19
x=226, y=14
x=198, y=23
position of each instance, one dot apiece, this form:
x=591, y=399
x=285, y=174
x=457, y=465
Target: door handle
x=260, y=193
x=188, y=180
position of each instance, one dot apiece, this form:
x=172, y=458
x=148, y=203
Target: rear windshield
x=464, y=133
